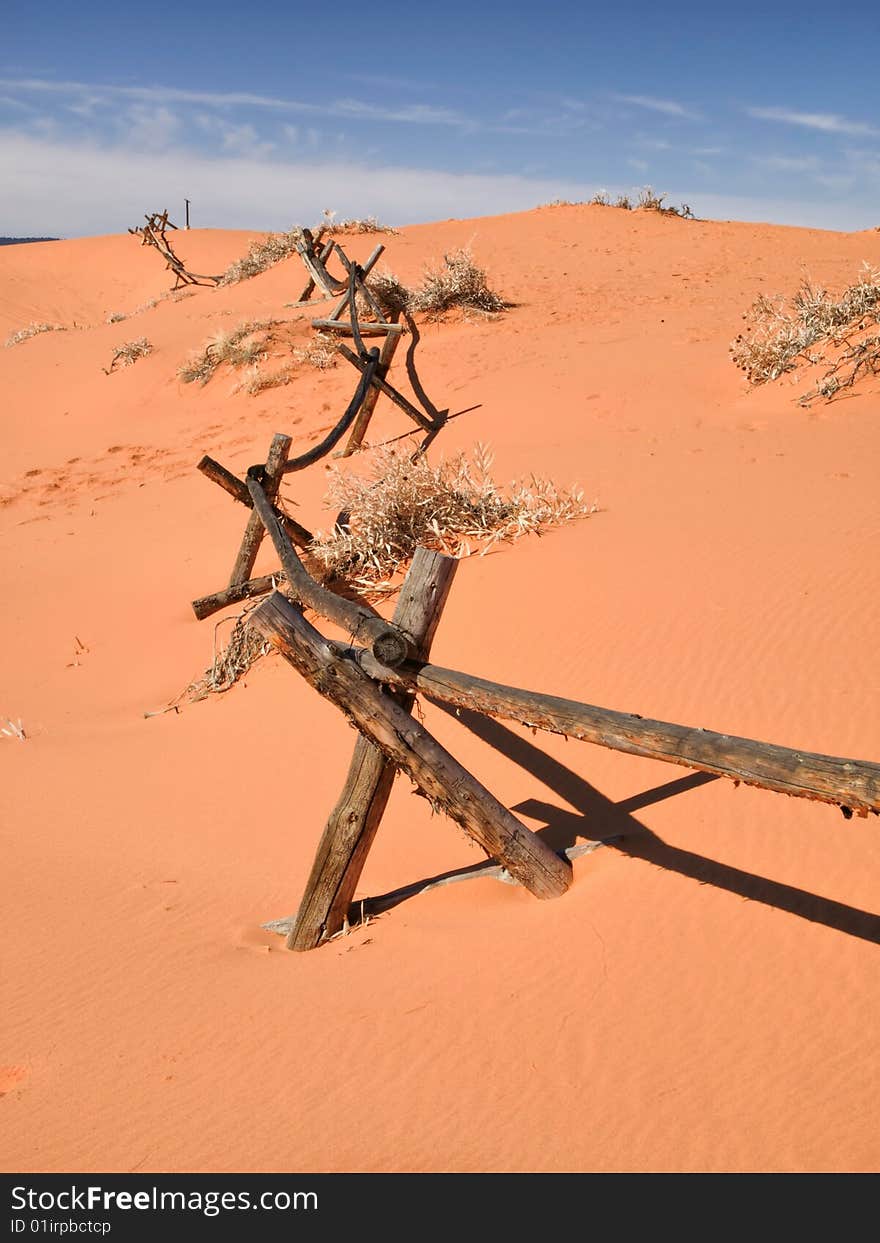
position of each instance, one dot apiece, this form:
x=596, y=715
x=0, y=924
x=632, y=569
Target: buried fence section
x=409, y=746
x=153, y=234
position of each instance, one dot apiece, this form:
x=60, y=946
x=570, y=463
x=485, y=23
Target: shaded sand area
x=706, y=995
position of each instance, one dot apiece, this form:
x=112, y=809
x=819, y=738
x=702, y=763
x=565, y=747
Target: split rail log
x=352, y=825
x=388, y=643
x=380, y=385
x=238, y=489
x=410, y=747
x=315, y=266
x=206, y=605
x=335, y=323
x=324, y=255
x=276, y=460
x=362, y=392
x=358, y=284
x=852, y=785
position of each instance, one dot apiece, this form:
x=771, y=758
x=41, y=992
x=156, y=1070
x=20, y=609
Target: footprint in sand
x=12, y=1077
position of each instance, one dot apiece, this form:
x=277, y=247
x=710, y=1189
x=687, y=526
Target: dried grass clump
x=128, y=353
x=779, y=335
x=12, y=729
x=458, y=283
x=256, y=380
x=32, y=330
x=407, y=502
x=368, y=225
x=649, y=201
x=320, y=351
x=230, y=663
x=392, y=295
x=116, y=317
x=261, y=256
x=240, y=347
x=601, y=199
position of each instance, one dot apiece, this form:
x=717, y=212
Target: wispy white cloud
x=667, y=106
x=105, y=189
x=787, y=163
x=237, y=139
x=148, y=128
x=87, y=94
x=826, y=122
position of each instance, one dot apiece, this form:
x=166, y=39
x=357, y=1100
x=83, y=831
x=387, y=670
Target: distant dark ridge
x=15, y=241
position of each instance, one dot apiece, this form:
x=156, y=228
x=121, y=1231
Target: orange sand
x=704, y=998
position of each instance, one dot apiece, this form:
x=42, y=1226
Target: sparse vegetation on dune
x=369, y=224
x=780, y=335
x=454, y=506
x=32, y=330
x=239, y=348
x=129, y=352
x=457, y=282
x=261, y=256
x=249, y=345
x=646, y=200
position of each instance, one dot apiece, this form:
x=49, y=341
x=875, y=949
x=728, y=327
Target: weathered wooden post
x=354, y=821
x=276, y=460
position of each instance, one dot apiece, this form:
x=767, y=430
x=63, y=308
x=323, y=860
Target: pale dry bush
x=32, y=330
x=319, y=351
x=240, y=347
x=261, y=256
x=391, y=294
x=255, y=380
x=779, y=334
x=129, y=352
x=230, y=662
x=454, y=507
x=457, y=282
x=368, y=225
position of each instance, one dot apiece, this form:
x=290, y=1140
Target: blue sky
x=265, y=114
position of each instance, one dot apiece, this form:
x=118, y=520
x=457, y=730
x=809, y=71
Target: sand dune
x=704, y=997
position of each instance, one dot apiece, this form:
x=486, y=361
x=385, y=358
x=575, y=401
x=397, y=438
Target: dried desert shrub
x=32, y=330
x=458, y=282
x=320, y=351
x=368, y=225
x=128, y=353
x=649, y=201
x=454, y=506
x=261, y=256
x=242, y=346
x=230, y=662
x=779, y=334
x=255, y=380
x=391, y=294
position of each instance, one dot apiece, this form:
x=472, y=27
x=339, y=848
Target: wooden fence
x=374, y=679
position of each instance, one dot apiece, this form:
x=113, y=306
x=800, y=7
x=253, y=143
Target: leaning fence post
x=276, y=461
x=354, y=821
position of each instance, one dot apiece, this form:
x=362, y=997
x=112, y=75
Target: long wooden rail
x=852, y=785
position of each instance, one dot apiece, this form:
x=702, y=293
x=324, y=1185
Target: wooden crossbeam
x=315, y=266
x=241, y=585
x=380, y=385
x=387, y=642
x=276, y=460
x=323, y=255
x=334, y=321
x=409, y=746
x=852, y=785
